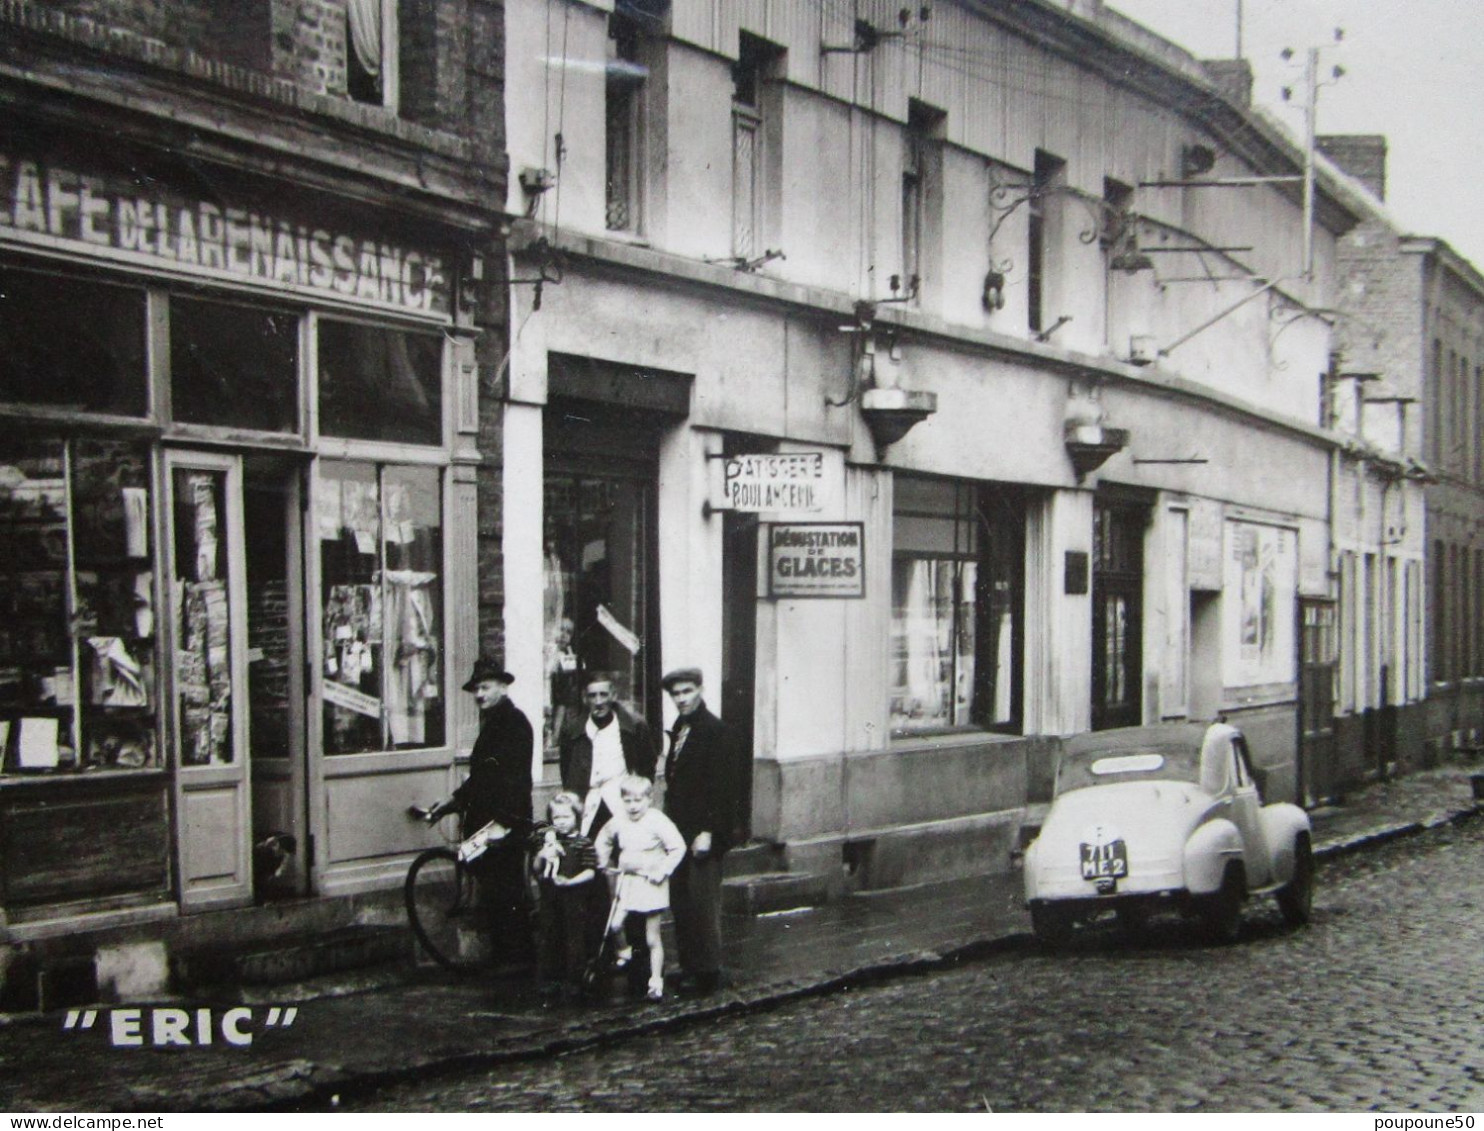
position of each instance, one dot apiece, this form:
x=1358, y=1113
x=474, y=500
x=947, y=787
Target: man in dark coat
x=498, y=788
x=706, y=797
x=598, y=747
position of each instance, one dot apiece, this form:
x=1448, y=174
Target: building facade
x=908, y=374
x=1413, y=333
x=241, y=249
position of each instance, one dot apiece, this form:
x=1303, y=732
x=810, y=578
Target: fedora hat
x=487, y=669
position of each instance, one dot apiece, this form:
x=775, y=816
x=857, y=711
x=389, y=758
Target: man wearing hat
x=498, y=788
x=706, y=797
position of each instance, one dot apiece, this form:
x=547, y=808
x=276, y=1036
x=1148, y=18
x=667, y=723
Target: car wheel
x=1052, y=925
x=1296, y=897
x=1221, y=914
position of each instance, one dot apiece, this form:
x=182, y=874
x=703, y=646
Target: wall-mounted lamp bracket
x=550, y=263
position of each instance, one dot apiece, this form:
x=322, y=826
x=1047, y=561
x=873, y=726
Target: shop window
x=624, y=92
x=72, y=344
x=380, y=532
x=378, y=383
x=77, y=692
x=233, y=366
x=371, y=61
x=957, y=599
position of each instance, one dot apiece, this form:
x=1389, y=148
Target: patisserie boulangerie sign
x=142, y=221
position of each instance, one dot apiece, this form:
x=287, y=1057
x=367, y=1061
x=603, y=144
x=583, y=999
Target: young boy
x=572, y=906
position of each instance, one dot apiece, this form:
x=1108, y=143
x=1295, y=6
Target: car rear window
x=1107, y=767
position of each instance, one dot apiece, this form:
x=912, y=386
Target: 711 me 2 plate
x=1105, y=861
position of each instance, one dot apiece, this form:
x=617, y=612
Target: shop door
x=207, y=626
x=739, y=629
x=1118, y=614
x=601, y=608
x=273, y=535
x=1318, y=753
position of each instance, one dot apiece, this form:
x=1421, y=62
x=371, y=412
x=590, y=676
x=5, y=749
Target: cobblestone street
x=1376, y=1005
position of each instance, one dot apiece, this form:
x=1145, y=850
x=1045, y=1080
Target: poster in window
x=1259, y=610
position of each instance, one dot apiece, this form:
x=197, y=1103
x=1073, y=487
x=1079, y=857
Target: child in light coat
x=648, y=848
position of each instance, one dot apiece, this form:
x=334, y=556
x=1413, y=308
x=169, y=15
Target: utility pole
x=1311, y=131
x=1239, y=30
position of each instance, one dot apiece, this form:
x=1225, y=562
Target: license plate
x=1104, y=861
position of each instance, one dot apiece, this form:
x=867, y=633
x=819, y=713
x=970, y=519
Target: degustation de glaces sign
x=817, y=559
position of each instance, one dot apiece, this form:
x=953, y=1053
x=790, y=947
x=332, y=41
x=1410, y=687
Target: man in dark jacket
x=498, y=788
x=598, y=747
x=705, y=797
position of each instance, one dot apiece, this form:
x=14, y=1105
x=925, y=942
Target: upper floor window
x=371, y=51
x=752, y=119
x=623, y=93
x=1050, y=171
x=921, y=176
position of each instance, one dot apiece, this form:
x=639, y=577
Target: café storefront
x=236, y=488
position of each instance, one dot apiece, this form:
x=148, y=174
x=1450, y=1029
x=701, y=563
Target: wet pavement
x=343, y=1038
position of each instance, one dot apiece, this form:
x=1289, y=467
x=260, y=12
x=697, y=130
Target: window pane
x=413, y=550
x=35, y=650
x=376, y=383
x=596, y=589
x=234, y=366
x=349, y=517
x=381, y=549
x=956, y=594
x=933, y=637
x=102, y=661
x=69, y=343
x=203, y=629
x=744, y=184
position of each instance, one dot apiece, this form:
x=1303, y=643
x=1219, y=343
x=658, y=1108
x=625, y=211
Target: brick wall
x=1381, y=294
x=1363, y=156
x=309, y=43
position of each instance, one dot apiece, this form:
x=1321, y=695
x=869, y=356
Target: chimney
x=1363, y=156
x=1233, y=78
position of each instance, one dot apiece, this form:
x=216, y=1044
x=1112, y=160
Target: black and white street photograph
x=733, y=556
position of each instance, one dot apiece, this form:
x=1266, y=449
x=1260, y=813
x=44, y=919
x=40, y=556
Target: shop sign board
x=786, y=482
x=147, y=222
x=817, y=559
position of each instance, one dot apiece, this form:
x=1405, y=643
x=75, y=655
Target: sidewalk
x=424, y=1023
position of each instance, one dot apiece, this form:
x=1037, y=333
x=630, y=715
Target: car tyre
x=1052, y=925
x=1221, y=913
x=1296, y=898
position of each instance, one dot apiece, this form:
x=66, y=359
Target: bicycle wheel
x=442, y=909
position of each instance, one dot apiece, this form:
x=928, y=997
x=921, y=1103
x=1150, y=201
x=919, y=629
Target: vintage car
x=1148, y=818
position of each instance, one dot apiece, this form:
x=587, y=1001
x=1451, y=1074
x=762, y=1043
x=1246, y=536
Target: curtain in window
x=365, y=33
x=929, y=638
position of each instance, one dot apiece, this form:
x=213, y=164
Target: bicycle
x=442, y=896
